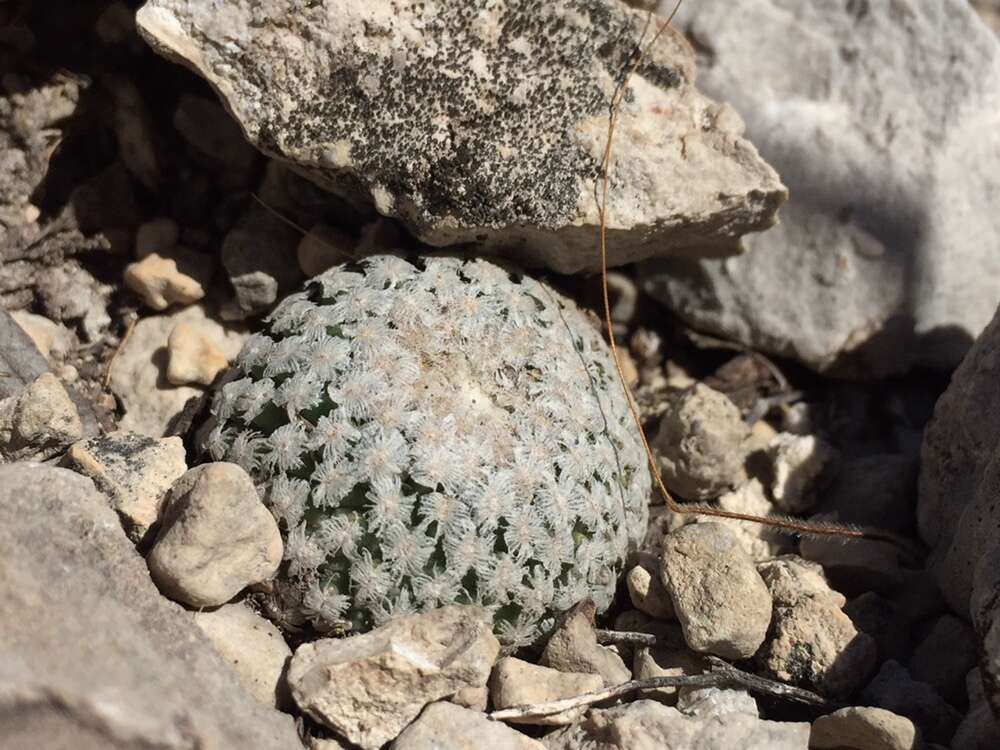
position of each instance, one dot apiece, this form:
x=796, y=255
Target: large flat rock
x=92, y=657
x=484, y=121
x=883, y=119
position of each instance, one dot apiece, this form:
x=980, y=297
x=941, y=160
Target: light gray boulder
x=883, y=118
x=486, y=125
x=91, y=655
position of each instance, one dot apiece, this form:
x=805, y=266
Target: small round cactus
x=433, y=432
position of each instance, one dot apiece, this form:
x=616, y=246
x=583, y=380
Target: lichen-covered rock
x=719, y=598
x=436, y=432
x=811, y=642
x=484, y=122
x=885, y=255
x=701, y=443
x=134, y=472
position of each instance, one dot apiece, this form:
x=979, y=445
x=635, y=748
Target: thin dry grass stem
x=782, y=523
x=118, y=349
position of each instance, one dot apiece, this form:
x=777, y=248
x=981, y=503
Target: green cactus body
x=433, y=432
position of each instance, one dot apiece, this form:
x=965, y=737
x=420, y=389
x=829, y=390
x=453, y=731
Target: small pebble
x=573, y=647
x=216, y=537
x=812, y=642
x=178, y=276
x=646, y=590
x=702, y=443
x=38, y=423
x=194, y=357
x=722, y=603
x=515, y=682
x=798, y=461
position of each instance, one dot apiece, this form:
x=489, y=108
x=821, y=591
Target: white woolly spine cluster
x=437, y=432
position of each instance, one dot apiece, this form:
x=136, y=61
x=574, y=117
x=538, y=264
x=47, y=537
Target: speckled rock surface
x=486, y=122
x=811, y=642
x=701, y=443
x=960, y=472
x=721, y=601
x=134, y=471
x=884, y=120
x=92, y=657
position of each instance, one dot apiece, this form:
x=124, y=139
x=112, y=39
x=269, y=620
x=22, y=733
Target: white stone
x=368, y=687
x=722, y=603
x=515, y=682
x=134, y=471
x=215, y=539
x=39, y=422
x=797, y=461
x=445, y=726
x=253, y=647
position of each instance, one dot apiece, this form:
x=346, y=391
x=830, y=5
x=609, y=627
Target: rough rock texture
x=253, y=647
x=445, y=726
x=38, y=423
x=515, y=682
x=216, y=537
x=369, y=687
x=985, y=611
x=91, y=655
x=573, y=647
x=719, y=598
x=484, y=122
x=811, y=642
x=646, y=725
x=960, y=472
x=701, y=443
x=134, y=471
x=884, y=120
x=863, y=728
x=139, y=373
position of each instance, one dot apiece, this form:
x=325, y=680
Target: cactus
x=432, y=432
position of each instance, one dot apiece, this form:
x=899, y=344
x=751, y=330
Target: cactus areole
x=436, y=431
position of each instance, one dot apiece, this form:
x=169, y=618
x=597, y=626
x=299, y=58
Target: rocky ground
x=843, y=370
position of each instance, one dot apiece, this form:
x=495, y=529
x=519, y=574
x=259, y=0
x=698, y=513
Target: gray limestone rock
x=957, y=511
x=882, y=118
x=485, y=122
x=91, y=655
x=646, y=725
x=722, y=603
